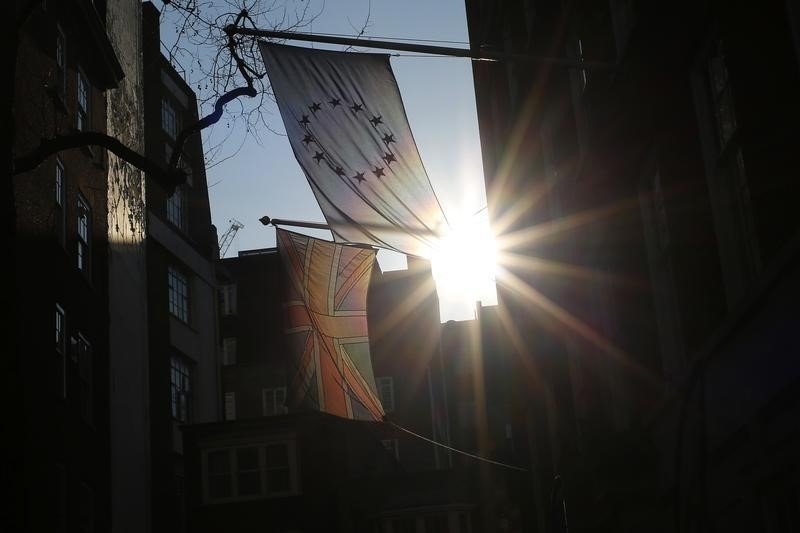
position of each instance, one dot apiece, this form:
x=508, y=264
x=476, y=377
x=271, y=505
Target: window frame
x=229, y=405
x=178, y=294
x=170, y=119
x=278, y=406
x=61, y=350
x=84, y=235
x=264, y=470
x=181, y=389
x=61, y=201
x=379, y=382
x=175, y=208
x=83, y=108
x=228, y=294
x=61, y=62
x=228, y=353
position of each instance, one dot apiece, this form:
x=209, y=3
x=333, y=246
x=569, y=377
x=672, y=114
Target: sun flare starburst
x=463, y=265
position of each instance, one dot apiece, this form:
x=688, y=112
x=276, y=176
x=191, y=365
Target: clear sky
x=439, y=99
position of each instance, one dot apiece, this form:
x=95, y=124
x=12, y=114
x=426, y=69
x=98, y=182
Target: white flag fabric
x=347, y=126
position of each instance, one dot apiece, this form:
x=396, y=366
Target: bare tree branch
x=169, y=179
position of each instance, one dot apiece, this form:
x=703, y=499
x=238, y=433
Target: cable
x=462, y=452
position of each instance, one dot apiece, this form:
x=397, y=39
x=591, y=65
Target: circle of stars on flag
x=321, y=155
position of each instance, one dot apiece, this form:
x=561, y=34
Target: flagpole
x=479, y=54
x=298, y=223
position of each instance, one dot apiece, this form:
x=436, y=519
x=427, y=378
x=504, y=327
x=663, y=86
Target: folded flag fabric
x=349, y=132
x=326, y=326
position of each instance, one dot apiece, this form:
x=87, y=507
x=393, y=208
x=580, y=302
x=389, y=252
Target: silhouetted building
x=405, y=344
x=481, y=387
x=313, y=472
x=652, y=206
x=404, y=334
x=355, y=476
x=181, y=283
x=56, y=473
x=254, y=359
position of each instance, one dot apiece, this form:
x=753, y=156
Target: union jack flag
x=326, y=308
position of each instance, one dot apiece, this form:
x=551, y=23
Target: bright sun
x=464, y=268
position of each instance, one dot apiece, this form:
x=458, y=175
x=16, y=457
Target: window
x=230, y=406
x=60, y=198
x=59, y=183
x=84, y=233
x=180, y=390
x=278, y=469
x=218, y=474
x=386, y=393
x=229, y=351
x=178, y=294
x=175, y=208
x=273, y=401
x=84, y=99
x=86, y=374
x=169, y=119
x=227, y=299
x=61, y=352
x=187, y=168
x=61, y=63
x=250, y=471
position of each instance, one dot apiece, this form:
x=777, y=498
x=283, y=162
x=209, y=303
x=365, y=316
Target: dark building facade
x=405, y=344
x=314, y=472
x=421, y=486
x=648, y=319
x=57, y=466
x=254, y=359
x=181, y=253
